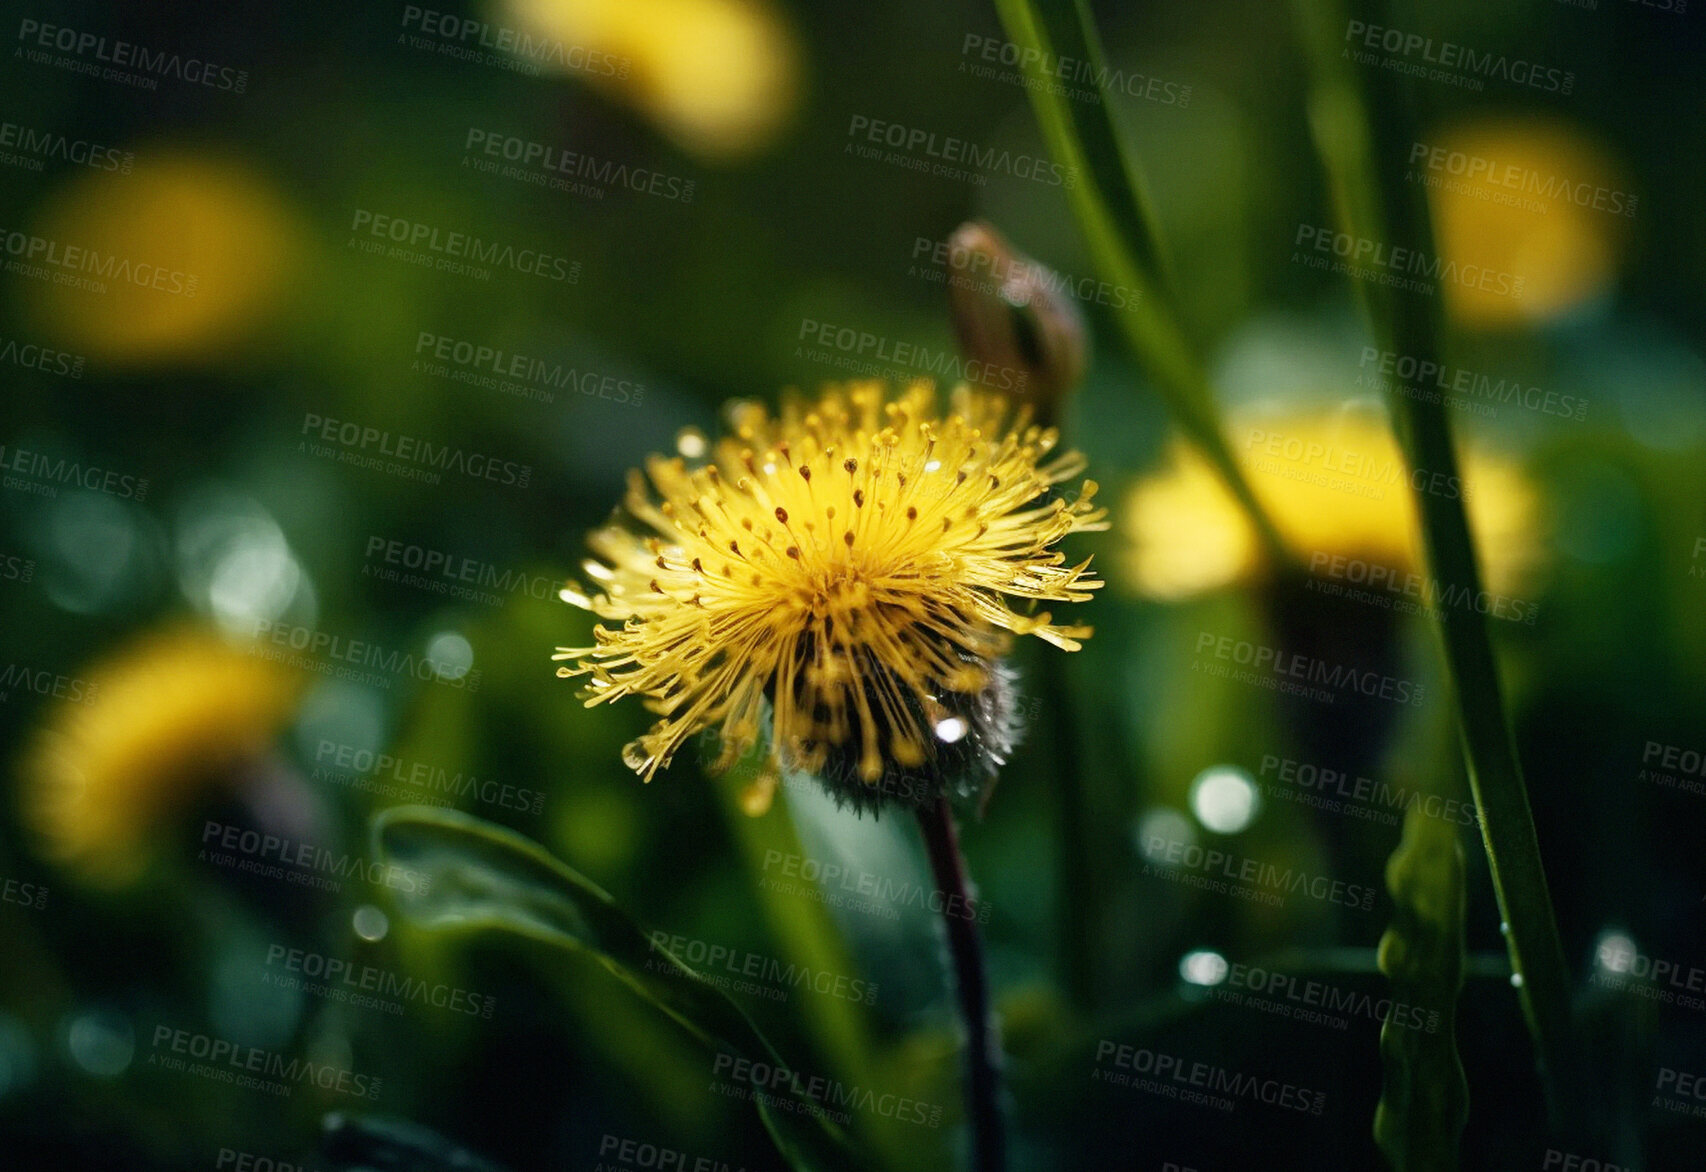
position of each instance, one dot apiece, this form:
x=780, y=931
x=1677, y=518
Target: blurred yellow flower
x=189, y=254
x=719, y=77
x=1532, y=198
x=1336, y=485
x=173, y=715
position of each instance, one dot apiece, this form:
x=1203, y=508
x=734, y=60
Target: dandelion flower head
x=856, y=566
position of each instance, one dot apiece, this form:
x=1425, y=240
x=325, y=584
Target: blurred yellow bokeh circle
x=719, y=77
x=1336, y=485
x=1534, y=198
x=187, y=255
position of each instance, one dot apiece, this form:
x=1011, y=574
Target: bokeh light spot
x=1203, y=967
x=1224, y=799
x=101, y=1042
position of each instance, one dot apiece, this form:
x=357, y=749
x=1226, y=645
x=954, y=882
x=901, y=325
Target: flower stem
x=983, y=1071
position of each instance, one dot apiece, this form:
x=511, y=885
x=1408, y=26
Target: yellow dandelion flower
x=854, y=564
x=163, y=721
x=1336, y=486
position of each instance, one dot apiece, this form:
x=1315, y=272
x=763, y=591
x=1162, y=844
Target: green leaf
x=1425, y=1101
x=484, y=877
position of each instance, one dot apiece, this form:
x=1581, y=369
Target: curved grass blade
x=1425, y=1101
x=1361, y=134
x=1113, y=213
x=485, y=877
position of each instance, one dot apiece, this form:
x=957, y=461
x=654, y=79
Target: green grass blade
x=1358, y=145
x=1108, y=201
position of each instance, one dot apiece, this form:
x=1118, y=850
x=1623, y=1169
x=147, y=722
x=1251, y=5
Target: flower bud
x=1010, y=314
